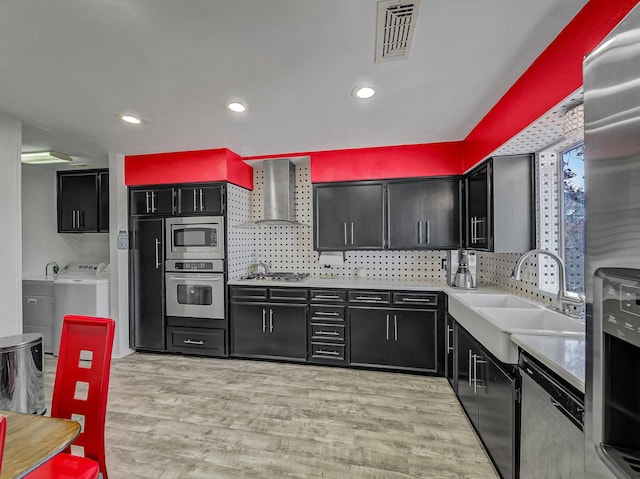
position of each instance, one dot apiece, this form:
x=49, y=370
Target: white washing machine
x=80, y=288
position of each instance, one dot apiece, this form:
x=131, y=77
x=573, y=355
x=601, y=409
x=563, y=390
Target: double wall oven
x=194, y=271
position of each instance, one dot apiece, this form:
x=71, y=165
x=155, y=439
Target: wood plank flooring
x=187, y=417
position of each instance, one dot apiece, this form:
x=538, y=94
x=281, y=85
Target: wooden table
x=32, y=439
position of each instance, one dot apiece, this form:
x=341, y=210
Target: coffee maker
x=461, y=268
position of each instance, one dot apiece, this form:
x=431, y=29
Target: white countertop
x=348, y=283
x=565, y=356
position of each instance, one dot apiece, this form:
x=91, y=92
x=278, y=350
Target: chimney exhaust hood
x=279, y=206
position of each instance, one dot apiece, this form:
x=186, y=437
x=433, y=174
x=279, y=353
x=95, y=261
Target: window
x=561, y=190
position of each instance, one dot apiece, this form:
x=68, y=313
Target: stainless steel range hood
x=279, y=206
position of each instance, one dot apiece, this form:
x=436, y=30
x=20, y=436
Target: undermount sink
x=534, y=321
x=484, y=300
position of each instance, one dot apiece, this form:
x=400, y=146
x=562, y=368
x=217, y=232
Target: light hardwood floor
x=187, y=417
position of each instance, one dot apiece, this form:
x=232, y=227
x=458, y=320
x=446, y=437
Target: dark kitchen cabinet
x=424, y=214
x=488, y=392
x=156, y=201
x=404, y=338
x=348, y=217
x=327, y=331
x=81, y=206
x=267, y=328
x=499, y=205
x=201, y=199
x=147, y=317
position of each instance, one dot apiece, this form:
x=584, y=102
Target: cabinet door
x=365, y=228
x=415, y=336
x=466, y=348
x=211, y=199
x=441, y=218
x=478, y=211
x=497, y=412
x=250, y=329
x=287, y=327
x=370, y=333
x=103, y=213
x=147, y=285
x=331, y=217
x=155, y=201
x=405, y=215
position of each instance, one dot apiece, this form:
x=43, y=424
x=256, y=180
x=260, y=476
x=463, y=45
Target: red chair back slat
x=3, y=435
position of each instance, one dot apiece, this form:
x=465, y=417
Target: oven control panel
x=621, y=304
x=195, y=266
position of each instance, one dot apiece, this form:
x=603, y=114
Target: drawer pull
x=331, y=353
x=326, y=296
x=199, y=342
x=32, y=301
x=416, y=300
x=368, y=298
x=328, y=333
x=324, y=313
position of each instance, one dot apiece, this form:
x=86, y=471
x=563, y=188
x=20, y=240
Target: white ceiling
x=69, y=68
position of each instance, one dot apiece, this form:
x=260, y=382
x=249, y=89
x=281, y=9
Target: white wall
x=41, y=241
x=11, y=237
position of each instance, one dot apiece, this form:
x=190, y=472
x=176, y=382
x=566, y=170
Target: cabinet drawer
x=369, y=297
x=325, y=351
x=327, y=313
x=248, y=293
x=288, y=294
x=416, y=299
x=37, y=288
x=327, y=332
x=37, y=311
x=328, y=296
x=210, y=342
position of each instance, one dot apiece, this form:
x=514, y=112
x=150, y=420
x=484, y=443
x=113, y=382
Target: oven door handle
x=195, y=276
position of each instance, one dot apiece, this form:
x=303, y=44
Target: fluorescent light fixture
x=134, y=120
x=45, y=157
x=363, y=92
x=236, y=106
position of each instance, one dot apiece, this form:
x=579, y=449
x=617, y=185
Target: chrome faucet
x=565, y=299
x=56, y=268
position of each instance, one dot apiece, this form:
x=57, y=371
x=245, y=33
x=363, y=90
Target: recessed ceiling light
x=45, y=157
x=134, y=120
x=363, y=92
x=236, y=106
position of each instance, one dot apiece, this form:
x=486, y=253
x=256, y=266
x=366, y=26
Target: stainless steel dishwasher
x=552, y=437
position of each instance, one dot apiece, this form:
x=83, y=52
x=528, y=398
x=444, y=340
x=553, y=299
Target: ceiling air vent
x=396, y=23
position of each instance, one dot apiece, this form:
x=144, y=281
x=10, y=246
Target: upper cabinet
x=499, y=205
x=201, y=199
x=154, y=201
x=424, y=214
x=348, y=216
x=83, y=201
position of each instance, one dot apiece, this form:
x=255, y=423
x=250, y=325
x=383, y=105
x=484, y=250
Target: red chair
x=80, y=393
x=3, y=435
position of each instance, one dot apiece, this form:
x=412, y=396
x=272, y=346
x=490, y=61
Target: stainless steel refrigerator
x=612, y=168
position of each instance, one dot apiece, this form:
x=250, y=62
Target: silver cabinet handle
x=153, y=202
x=325, y=313
x=326, y=296
x=328, y=333
x=345, y=232
x=395, y=326
x=199, y=342
x=264, y=316
x=449, y=341
x=470, y=361
x=428, y=232
x=146, y=195
x=158, y=262
x=368, y=298
x=32, y=301
x=270, y=320
x=476, y=361
x=419, y=232
x=201, y=201
x=332, y=353
x=387, y=327
x=195, y=206
x=415, y=300
x=352, y=232
x=73, y=219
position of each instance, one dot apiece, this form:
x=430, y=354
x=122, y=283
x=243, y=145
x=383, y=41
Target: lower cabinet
x=269, y=330
x=199, y=341
x=488, y=392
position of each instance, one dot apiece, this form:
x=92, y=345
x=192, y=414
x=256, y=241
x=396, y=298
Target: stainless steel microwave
x=199, y=237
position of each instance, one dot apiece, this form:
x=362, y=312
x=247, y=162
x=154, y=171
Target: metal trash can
x=22, y=373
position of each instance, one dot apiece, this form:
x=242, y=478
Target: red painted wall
x=187, y=167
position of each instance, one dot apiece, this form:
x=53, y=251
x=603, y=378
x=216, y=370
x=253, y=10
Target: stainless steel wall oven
x=195, y=289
